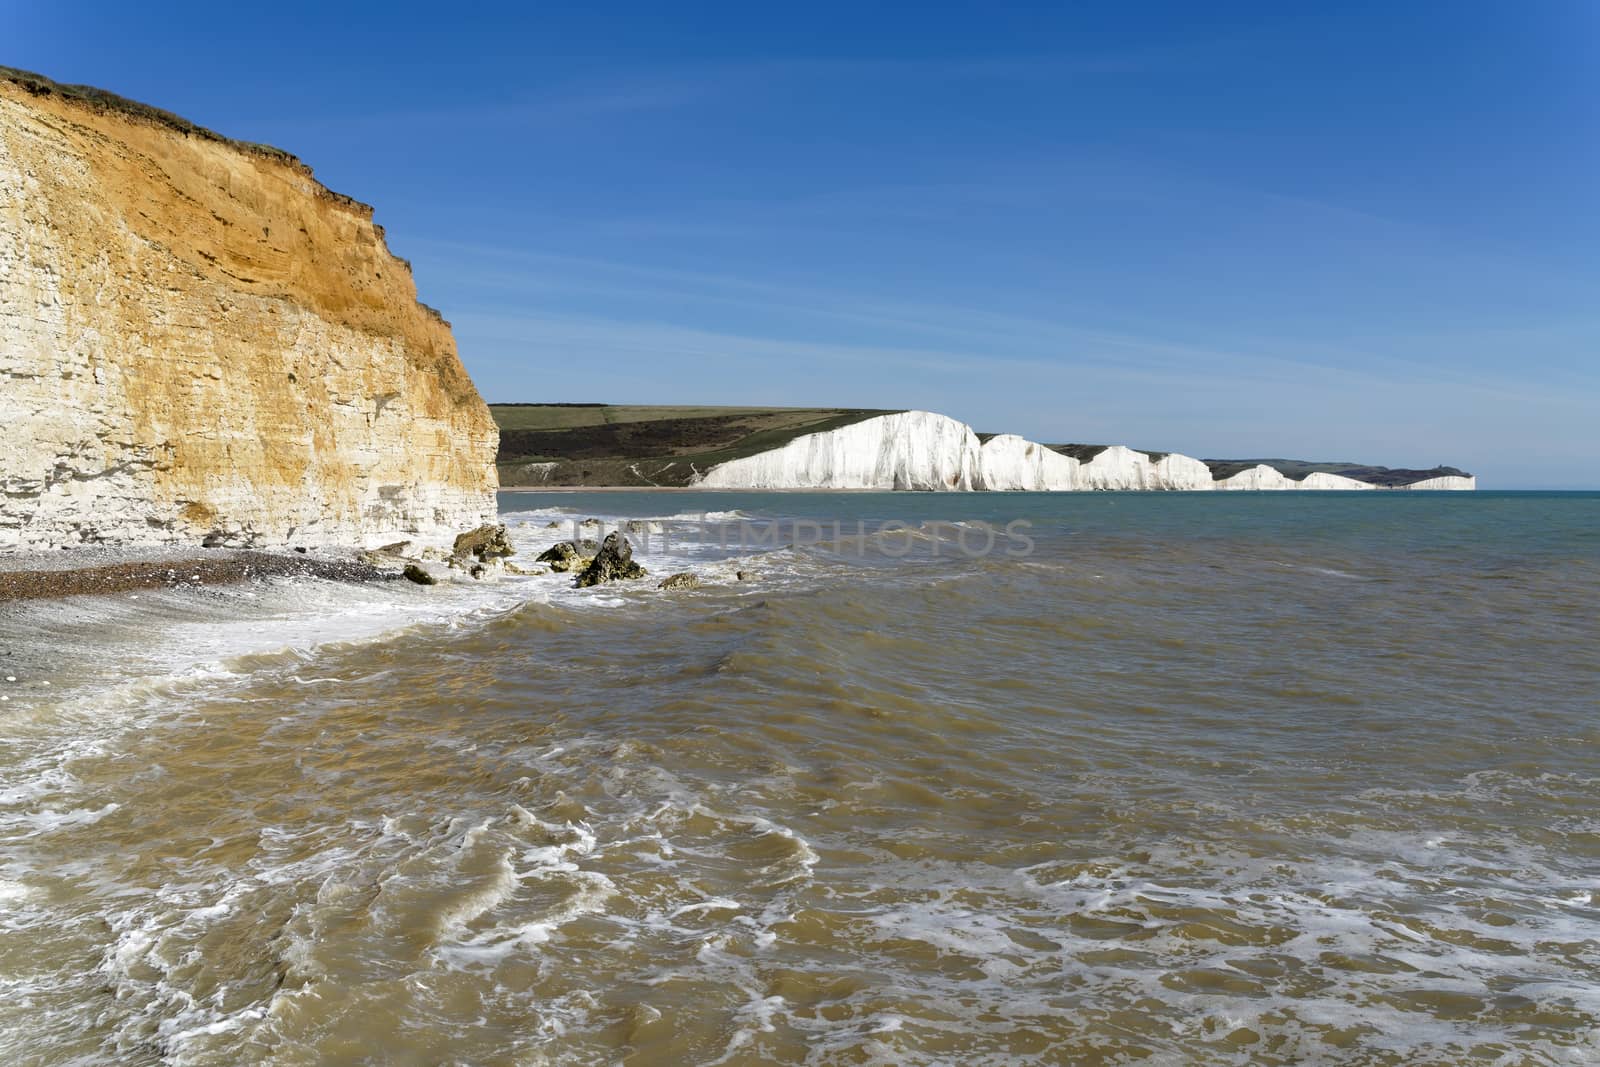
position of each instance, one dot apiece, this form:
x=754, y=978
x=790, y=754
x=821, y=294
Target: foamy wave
x=553, y=512
x=734, y=515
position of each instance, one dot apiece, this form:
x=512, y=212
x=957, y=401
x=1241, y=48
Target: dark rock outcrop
x=416, y=574
x=485, y=543
x=614, y=563
x=564, y=555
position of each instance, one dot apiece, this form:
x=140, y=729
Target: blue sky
x=1333, y=231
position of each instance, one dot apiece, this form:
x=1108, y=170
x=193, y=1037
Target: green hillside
x=644, y=445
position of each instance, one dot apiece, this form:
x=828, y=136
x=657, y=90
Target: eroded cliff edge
x=199, y=342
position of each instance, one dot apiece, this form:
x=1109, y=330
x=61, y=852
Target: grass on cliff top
x=643, y=445
x=39, y=85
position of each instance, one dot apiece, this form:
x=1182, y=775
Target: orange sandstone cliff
x=200, y=343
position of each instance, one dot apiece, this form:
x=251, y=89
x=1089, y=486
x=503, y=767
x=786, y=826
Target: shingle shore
x=33, y=578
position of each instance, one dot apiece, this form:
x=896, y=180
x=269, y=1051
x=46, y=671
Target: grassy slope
x=634, y=445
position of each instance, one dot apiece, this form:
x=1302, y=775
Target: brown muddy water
x=1230, y=778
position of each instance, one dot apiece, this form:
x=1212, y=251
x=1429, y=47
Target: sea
x=1099, y=778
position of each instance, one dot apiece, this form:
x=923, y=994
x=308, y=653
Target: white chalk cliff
x=928, y=451
x=1449, y=481
x=1012, y=462
x=906, y=450
x=1325, y=480
x=1120, y=467
x=1258, y=477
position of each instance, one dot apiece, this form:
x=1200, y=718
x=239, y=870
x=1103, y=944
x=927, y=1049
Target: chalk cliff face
x=922, y=450
x=1449, y=481
x=1120, y=467
x=906, y=450
x=1258, y=477
x=1012, y=462
x=1324, y=480
x=1177, y=471
x=199, y=341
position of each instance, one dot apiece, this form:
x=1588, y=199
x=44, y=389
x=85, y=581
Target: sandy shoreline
x=36, y=576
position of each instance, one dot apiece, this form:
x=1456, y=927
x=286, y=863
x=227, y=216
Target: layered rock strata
x=199, y=343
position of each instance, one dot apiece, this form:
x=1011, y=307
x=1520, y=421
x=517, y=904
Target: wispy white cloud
x=964, y=336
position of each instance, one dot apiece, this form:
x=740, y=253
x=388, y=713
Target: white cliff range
x=923, y=450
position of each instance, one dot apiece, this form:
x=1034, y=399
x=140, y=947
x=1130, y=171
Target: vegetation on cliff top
x=103, y=100
x=39, y=85
x=644, y=445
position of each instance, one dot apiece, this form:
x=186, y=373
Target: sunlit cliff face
x=199, y=340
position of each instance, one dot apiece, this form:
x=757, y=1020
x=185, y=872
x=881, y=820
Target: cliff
x=923, y=450
x=1010, y=462
x=1447, y=481
x=1120, y=467
x=905, y=450
x=1262, y=476
x=199, y=342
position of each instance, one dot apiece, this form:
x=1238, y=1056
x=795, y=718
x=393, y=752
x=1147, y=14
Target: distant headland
x=641, y=446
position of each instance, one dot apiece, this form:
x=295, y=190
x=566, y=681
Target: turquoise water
x=1243, y=778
